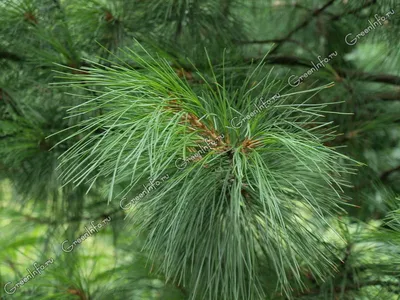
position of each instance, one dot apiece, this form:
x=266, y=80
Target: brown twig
x=195, y=123
x=210, y=133
x=77, y=292
x=30, y=17
x=249, y=144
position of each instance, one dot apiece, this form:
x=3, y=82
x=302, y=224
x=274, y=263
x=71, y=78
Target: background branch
x=303, y=24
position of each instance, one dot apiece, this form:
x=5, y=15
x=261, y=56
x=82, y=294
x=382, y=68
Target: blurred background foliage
x=39, y=38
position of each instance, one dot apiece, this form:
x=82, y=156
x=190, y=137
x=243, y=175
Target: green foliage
x=176, y=119
x=247, y=194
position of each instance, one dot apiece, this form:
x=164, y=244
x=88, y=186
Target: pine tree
x=214, y=149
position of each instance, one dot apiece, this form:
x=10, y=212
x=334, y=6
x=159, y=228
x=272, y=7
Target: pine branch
x=302, y=25
x=284, y=60
x=365, y=76
x=238, y=190
x=243, y=218
x=344, y=73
